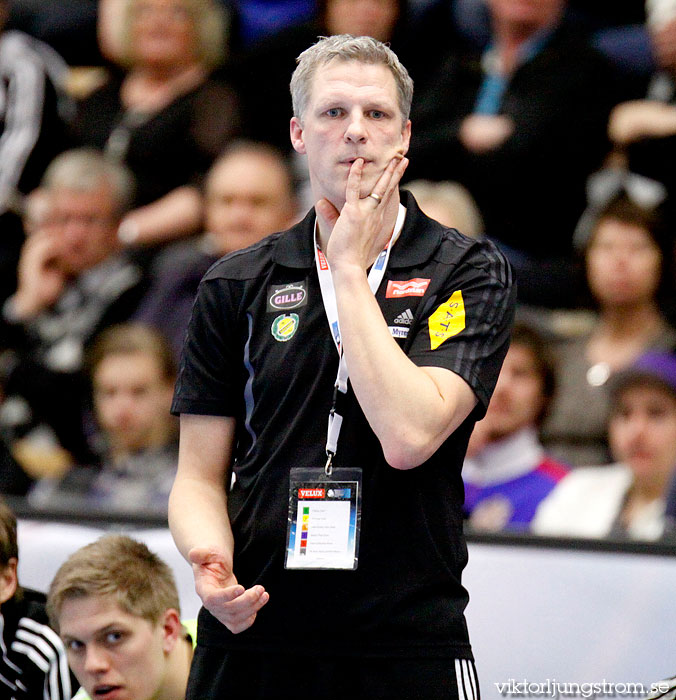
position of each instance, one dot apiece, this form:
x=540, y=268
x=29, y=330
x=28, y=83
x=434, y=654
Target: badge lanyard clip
x=335, y=424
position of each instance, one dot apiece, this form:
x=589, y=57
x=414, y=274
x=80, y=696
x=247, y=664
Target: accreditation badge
x=324, y=519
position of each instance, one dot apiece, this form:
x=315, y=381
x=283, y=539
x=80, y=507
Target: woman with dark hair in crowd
x=627, y=259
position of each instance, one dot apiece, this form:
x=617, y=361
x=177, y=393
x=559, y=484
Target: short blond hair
x=130, y=339
x=211, y=28
x=86, y=170
x=118, y=567
x=346, y=47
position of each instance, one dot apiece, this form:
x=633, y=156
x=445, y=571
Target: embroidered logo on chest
x=283, y=297
x=284, y=327
x=410, y=288
x=405, y=318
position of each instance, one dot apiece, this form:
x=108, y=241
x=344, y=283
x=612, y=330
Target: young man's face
x=642, y=431
x=519, y=394
x=115, y=655
x=132, y=398
x=353, y=112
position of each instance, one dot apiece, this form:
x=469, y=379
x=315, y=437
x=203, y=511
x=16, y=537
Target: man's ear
x=406, y=136
x=172, y=629
x=296, y=132
x=8, y=580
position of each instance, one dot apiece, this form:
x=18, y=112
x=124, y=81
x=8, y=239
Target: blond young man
x=132, y=373
x=115, y=606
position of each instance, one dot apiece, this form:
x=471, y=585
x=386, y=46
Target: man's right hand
x=41, y=278
x=230, y=603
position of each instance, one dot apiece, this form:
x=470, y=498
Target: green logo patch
x=284, y=327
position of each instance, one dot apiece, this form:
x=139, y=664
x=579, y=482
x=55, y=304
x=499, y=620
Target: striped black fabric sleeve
x=33, y=664
x=466, y=679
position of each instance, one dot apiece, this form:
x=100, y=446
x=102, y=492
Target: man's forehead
x=119, y=366
x=251, y=172
x=645, y=390
x=336, y=71
x=100, y=198
x=92, y=613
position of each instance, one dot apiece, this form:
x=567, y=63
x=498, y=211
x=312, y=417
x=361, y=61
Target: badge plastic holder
x=324, y=519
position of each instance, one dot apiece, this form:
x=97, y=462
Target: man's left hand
x=358, y=232
x=228, y=601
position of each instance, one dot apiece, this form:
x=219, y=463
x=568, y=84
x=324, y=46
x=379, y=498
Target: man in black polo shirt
x=331, y=566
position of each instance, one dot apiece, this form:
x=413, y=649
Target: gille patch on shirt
x=283, y=297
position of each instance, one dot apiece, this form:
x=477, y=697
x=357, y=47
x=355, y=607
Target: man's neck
x=178, y=669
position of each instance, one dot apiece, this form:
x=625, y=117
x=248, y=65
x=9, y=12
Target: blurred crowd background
x=141, y=140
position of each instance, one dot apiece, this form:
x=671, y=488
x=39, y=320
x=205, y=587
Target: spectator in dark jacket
x=521, y=125
x=73, y=281
x=33, y=664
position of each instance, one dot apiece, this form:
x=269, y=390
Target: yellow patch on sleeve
x=448, y=320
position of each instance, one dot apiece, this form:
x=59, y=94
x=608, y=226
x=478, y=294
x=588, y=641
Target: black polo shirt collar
x=295, y=247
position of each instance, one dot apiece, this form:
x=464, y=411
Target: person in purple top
x=507, y=472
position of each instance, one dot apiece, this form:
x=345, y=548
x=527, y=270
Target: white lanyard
x=328, y=292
